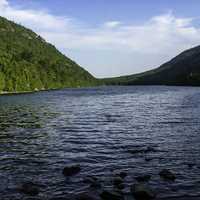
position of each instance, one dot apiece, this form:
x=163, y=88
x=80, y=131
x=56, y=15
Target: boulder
x=120, y=186
x=29, y=189
x=86, y=196
x=143, y=178
x=71, y=170
x=123, y=175
x=109, y=195
x=167, y=174
x=191, y=165
x=142, y=150
x=148, y=159
x=62, y=198
x=150, y=149
x=93, y=182
x=117, y=181
x=142, y=192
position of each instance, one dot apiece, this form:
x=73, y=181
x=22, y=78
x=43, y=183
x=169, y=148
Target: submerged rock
x=64, y=197
x=142, y=150
x=167, y=174
x=148, y=159
x=120, y=186
x=109, y=195
x=117, y=181
x=135, y=151
x=71, y=170
x=190, y=165
x=150, y=149
x=144, y=178
x=123, y=175
x=142, y=192
x=86, y=196
x=93, y=181
x=61, y=198
x=29, y=189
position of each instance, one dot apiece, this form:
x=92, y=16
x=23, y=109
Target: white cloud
x=3, y=3
x=112, y=24
x=112, y=48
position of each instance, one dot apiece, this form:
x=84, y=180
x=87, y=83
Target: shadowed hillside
x=181, y=70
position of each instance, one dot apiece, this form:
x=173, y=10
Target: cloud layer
x=112, y=48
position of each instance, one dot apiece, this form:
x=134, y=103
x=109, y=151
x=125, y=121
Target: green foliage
x=2, y=81
x=28, y=63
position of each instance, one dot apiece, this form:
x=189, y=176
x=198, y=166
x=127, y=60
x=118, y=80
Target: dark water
x=42, y=133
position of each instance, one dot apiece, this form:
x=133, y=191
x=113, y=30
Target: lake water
x=41, y=133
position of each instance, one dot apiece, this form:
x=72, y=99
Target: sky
x=112, y=37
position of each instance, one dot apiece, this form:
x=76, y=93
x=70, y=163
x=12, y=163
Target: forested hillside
x=29, y=63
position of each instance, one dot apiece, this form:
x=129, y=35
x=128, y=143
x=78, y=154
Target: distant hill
x=184, y=69
x=29, y=63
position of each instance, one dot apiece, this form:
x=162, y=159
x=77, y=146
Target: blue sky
x=112, y=37
x=98, y=11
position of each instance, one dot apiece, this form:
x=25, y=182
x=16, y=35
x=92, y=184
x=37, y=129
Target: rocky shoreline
x=139, y=190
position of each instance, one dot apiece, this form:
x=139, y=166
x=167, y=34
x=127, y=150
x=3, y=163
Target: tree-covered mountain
x=184, y=69
x=29, y=63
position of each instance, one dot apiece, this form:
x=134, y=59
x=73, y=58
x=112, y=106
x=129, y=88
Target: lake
x=103, y=129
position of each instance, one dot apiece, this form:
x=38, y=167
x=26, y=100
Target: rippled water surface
x=98, y=128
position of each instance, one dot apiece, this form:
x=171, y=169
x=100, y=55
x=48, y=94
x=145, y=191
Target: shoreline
x=6, y=93
x=17, y=93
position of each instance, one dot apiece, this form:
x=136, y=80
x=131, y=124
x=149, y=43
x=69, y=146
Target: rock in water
x=86, y=196
x=123, y=175
x=167, y=174
x=120, y=186
x=61, y=198
x=93, y=181
x=148, y=159
x=117, y=181
x=71, y=170
x=142, y=192
x=29, y=189
x=108, y=195
x=150, y=149
x=144, y=178
x=191, y=165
